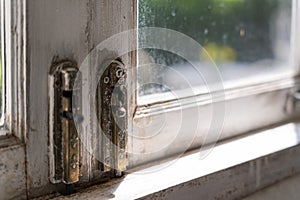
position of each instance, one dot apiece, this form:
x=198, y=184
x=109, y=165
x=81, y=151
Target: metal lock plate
x=64, y=141
x=112, y=115
x=112, y=92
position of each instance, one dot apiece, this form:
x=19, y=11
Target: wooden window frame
x=35, y=37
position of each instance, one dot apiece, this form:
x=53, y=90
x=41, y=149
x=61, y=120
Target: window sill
x=233, y=169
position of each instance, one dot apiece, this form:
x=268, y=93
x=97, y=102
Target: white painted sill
x=149, y=180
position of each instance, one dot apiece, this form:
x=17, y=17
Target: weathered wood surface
x=12, y=170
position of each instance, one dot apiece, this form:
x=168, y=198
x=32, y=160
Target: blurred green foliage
x=0, y=82
x=242, y=25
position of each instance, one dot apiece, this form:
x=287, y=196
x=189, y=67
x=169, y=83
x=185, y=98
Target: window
x=1, y=70
x=13, y=106
x=1, y=67
x=13, y=70
x=170, y=108
x=247, y=41
x=247, y=55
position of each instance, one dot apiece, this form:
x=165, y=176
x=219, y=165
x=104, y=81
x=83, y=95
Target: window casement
x=13, y=70
x=183, y=113
x=101, y=40
x=14, y=93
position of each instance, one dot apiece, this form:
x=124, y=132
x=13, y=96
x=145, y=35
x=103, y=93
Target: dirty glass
x=245, y=39
x=1, y=70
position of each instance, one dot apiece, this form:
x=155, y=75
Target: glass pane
x=246, y=40
x=1, y=70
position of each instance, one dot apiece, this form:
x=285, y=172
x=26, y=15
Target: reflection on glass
x=245, y=39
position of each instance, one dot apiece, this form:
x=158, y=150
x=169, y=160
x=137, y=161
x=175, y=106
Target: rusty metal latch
x=64, y=141
x=64, y=119
x=113, y=116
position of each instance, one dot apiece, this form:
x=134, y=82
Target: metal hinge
x=113, y=116
x=64, y=140
x=292, y=106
